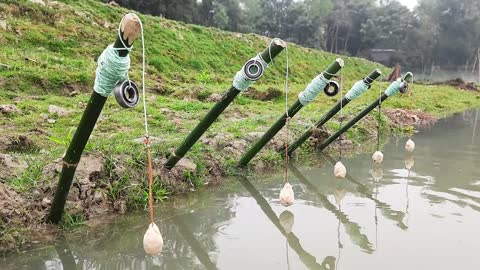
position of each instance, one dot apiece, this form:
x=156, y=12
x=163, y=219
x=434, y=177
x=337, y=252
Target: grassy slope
x=51, y=50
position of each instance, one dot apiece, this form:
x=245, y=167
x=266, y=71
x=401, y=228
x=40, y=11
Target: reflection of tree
x=309, y=260
x=351, y=228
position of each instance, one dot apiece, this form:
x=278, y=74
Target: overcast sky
x=409, y=3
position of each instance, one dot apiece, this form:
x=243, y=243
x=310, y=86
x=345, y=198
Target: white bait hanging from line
x=287, y=197
x=339, y=170
x=377, y=157
x=152, y=240
x=410, y=145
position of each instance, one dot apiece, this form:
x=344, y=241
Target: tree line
x=436, y=33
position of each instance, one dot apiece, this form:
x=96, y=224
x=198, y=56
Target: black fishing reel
x=404, y=87
x=331, y=89
x=253, y=69
x=126, y=94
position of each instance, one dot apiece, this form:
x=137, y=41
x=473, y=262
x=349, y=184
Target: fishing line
x=286, y=197
x=145, y=119
x=152, y=240
x=341, y=115
x=287, y=118
x=379, y=119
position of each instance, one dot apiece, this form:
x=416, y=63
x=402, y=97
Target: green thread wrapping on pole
x=241, y=81
x=111, y=69
x=394, y=87
x=357, y=89
x=313, y=88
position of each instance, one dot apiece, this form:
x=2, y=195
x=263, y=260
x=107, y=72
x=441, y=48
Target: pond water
x=427, y=217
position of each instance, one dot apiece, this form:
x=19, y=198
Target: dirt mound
x=459, y=83
x=403, y=118
x=270, y=94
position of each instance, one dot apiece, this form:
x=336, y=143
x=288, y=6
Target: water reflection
x=309, y=260
x=351, y=228
x=413, y=211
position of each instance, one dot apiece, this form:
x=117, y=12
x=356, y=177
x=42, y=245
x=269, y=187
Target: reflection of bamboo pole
x=351, y=228
x=475, y=125
x=130, y=30
x=65, y=255
x=478, y=57
x=386, y=210
x=196, y=246
x=309, y=260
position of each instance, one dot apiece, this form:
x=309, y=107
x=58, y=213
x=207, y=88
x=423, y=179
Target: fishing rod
x=357, y=89
x=399, y=85
x=112, y=75
x=248, y=74
x=321, y=82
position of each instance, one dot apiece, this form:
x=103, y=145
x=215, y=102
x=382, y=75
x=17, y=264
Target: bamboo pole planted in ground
x=129, y=31
x=400, y=85
x=250, y=72
x=304, y=98
x=357, y=89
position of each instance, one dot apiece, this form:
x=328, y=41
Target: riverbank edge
x=90, y=200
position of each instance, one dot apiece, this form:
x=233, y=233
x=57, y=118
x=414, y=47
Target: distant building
x=384, y=56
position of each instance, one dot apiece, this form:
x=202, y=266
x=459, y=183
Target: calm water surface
x=385, y=217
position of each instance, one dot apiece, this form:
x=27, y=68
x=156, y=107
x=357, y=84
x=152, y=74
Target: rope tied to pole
x=313, y=89
x=357, y=89
x=111, y=68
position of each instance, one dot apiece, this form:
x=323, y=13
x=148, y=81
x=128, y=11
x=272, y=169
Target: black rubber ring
x=334, y=85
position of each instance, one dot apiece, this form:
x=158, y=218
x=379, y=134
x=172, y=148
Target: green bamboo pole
x=351, y=228
x=275, y=47
x=365, y=82
x=385, y=209
x=280, y=123
x=392, y=89
x=309, y=260
x=129, y=31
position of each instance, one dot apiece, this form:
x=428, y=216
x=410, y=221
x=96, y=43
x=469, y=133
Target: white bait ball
x=377, y=157
x=152, y=240
x=339, y=170
x=410, y=145
x=286, y=195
